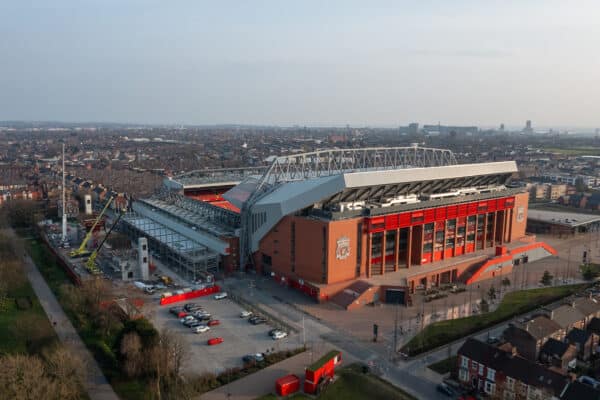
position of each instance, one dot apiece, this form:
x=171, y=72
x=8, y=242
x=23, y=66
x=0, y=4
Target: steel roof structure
x=188, y=257
x=325, y=177
x=209, y=177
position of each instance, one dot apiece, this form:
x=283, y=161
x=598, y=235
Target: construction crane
x=82, y=251
x=90, y=264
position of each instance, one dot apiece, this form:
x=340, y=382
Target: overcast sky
x=302, y=62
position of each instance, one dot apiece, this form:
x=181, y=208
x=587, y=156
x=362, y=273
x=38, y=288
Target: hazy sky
x=301, y=62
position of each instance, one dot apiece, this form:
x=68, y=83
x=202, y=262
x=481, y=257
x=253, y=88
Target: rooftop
x=571, y=220
x=515, y=367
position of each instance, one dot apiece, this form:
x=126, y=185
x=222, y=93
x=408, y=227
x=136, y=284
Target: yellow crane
x=82, y=251
x=90, y=264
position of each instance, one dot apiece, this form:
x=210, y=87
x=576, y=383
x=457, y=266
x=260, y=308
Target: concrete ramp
x=355, y=295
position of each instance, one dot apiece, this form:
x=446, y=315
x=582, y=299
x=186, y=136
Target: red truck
x=321, y=372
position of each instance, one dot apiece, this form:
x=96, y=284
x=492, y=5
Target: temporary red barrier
x=287, y=385
x=190, y=295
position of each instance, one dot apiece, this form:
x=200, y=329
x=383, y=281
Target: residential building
x=529, y=337
x=505, y=375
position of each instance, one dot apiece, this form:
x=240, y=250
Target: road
x=94, y=381
x=413, y=377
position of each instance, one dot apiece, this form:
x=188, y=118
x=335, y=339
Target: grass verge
x=444, y=366
x=101, y=347
x=514, y=303
x=353, y=384
x=24, y=326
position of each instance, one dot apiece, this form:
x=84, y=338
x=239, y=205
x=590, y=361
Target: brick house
x=504, y=375
x=583, y=341
x=529, y=337
x=558, y=354
x=567, y=316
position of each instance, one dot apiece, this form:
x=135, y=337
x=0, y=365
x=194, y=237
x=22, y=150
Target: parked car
x=175, y=310
x=204, y=317
x=199, y=314
x=220, y=296
x=445, y=389
x=195, y=324
x=213, y=322
x=182, y=314
x=259, y=320
x=187, y=318
x=201, y=329
x=245, y=314
x=193, y=307
x=279, y=335
x=189, y=322
x=272, y=331
x=252, y=358
x=214, y=341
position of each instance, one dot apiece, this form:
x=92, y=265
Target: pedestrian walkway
x=95, y=383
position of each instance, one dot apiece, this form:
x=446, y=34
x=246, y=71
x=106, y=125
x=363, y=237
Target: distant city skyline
x=381, y=64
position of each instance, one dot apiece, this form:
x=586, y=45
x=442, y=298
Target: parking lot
x=239, y=336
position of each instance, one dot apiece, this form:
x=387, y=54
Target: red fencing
x=190, y=295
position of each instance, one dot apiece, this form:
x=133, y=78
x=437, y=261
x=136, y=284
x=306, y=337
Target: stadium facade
x=360, y=225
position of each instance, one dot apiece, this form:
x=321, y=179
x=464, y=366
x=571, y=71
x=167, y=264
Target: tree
x=492, y=293
x=506, y=282
x=62, y=365
x=21, y=213
x=166, y=358
x=131, y=350
x=580, y=185
x=55, y=376
x=23, y=378
x=546, y=278
x=588, y=273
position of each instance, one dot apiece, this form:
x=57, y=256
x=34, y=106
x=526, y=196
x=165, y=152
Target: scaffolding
x=189, y=259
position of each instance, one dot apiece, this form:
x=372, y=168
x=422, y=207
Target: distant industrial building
x=559, y=222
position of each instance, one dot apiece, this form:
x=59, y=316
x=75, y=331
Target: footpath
x=94, y=380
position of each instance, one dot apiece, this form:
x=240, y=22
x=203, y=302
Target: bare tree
x=167, y=358
x=131, y=349
x=23, y=378
x=63, y=366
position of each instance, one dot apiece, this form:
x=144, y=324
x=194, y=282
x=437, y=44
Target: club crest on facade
x=520, y=214
x=342, y=250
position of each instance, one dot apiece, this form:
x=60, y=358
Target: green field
x=54, y=275
x=514, y=303
x=574, y=151
x=352, y=384
x=24, y=329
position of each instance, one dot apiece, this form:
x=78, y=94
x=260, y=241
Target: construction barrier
x=189, y=295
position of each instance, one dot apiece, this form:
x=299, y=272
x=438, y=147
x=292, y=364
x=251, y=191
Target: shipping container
x=287, y=385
